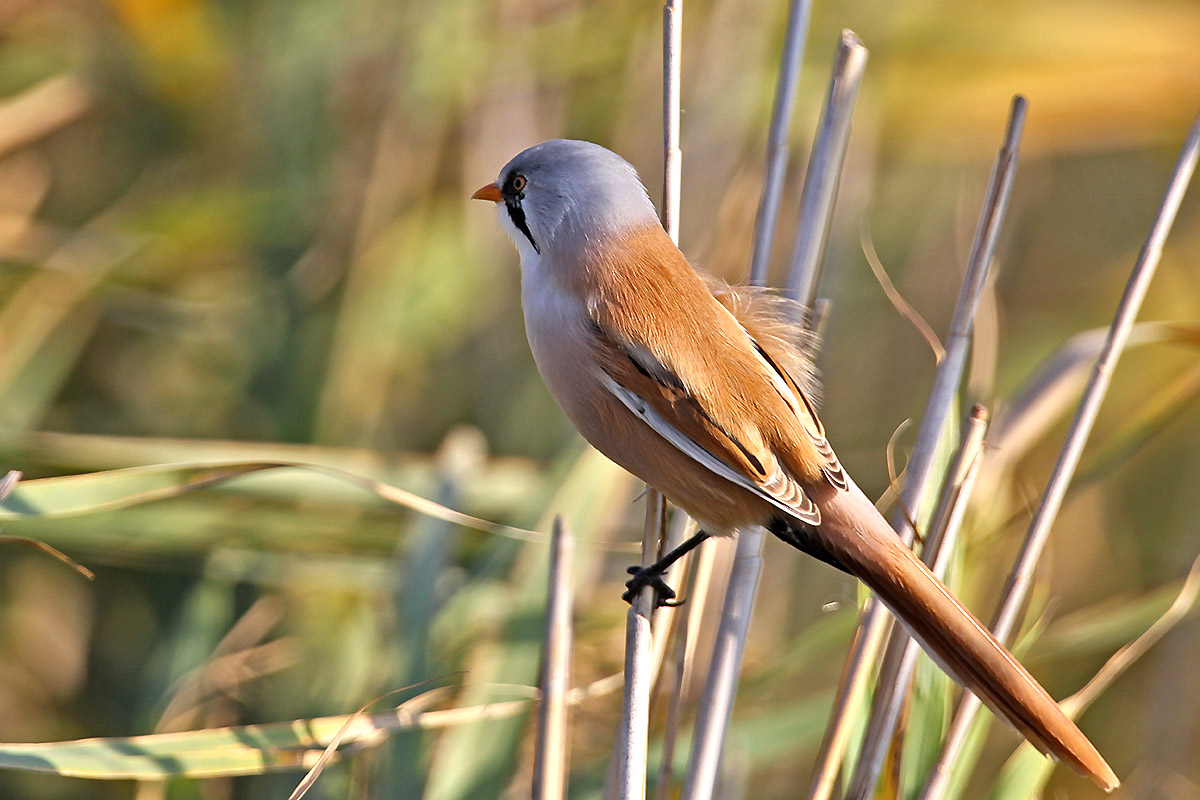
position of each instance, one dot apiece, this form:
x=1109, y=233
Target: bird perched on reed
x=699, y=390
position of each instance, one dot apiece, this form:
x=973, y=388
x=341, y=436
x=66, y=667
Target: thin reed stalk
x=960, y=481
x=550, y=746
x=633, y=733
x=687, y=665
x=825, y=169
x=900, y=655
x=875, y=620
x=666, y=619
x=943, y=394
x=777, y=139
x=720, y=687
x=716, y=702
x=672, y=189
x=1019, y=581
x=672, y=81
x=629, y=755
x=697, y=577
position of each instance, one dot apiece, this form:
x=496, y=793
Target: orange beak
x=489, y=192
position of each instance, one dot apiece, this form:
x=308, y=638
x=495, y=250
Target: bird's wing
x=802, y=407
x=773, y=324
x=663, y=400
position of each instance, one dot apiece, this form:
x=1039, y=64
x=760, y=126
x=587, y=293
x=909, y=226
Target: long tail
x=854, y=536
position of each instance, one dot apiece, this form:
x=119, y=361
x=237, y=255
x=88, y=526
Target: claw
x=664, y=595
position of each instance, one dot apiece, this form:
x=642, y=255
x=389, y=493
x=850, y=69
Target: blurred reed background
x=241, y=231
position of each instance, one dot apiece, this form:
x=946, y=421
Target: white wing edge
x=681, y=442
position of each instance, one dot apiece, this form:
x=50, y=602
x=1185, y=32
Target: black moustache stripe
x=517, y=215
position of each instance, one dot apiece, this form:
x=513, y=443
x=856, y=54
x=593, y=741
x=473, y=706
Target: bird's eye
x=518, y=183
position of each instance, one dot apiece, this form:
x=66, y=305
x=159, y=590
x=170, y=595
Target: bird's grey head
x=560, y=193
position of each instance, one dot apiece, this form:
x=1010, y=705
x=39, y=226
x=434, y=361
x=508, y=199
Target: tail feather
x=855, y=537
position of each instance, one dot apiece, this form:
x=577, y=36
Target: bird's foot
x=651, y=576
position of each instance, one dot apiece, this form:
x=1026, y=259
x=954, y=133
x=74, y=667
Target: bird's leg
x=652, y=575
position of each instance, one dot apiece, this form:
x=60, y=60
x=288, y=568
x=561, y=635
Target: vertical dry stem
x=672, y=155
x=1068, y=459
x=720, y=688
x=875, y=619
x=777, y=139
x=633, y=735
x=630, y=752
x=550, y=751
x=900, y=656
x=825, y=169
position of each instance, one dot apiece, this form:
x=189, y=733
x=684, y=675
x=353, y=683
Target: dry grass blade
x=238, y=657
x=336, y=740
x=1165, y=405
x=1027, y=771
x=53, y=298
x=73, y=495
x=310, y=778
x=254, y=749
x=1055, y=385
x=257, y=749
x=889, y=452
x=7, y=484
x=902, y=306
x=225, y=676
x=53, y=552
x=892, y=493
x=1124, y=658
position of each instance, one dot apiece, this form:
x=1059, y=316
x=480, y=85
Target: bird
x=701, y=390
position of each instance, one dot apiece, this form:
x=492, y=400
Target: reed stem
x=1021, y=577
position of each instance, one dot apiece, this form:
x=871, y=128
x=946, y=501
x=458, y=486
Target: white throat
x=524, y=246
